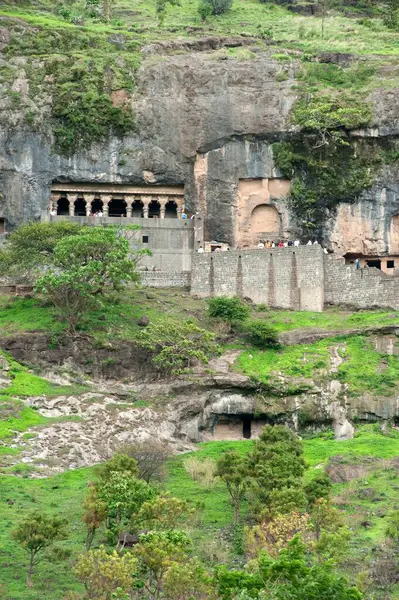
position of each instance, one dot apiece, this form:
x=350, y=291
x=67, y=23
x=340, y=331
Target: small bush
x=228, y=309
x=174, y=345
x=261, y=334
x=214, y=7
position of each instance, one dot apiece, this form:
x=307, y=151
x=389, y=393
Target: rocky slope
x=208, y=405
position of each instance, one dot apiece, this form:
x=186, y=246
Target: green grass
x=250, y=16
x=63, y=494
x=15, y=415
x=364, y=368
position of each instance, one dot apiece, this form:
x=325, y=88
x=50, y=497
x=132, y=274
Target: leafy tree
x=70, y=293
x=87, y=265
x=122, y=495
x=230, y=310
x=32, y=246
x=319, y=487
x=331, y=534
x=119, y=463
x=261, y=334
x=163, y=513
x=276, y=466
x=106, y=576
x=291, y=575
x=157, y=552
x=103, y=253
x=232, y=468
x=329, y=117
x=94, y=514
x=151, y=456
x=188, y=581
x=175, y=346
x=35, y=533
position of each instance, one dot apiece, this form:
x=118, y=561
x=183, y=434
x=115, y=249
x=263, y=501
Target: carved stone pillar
x=162, y=201
x=129, y=201
x=72, y=199
x=105, y=200
x=146, y=203
x=54, y=202
x=88, y=198
x=180, y=207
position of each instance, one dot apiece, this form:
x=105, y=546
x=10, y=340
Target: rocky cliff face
x=204, y=119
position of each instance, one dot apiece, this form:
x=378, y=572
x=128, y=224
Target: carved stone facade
x=116, y=201
x=261, y=213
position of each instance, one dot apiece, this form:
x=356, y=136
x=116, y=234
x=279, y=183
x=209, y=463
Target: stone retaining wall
x=280, y=277
x=362, y=288
x=163, y=279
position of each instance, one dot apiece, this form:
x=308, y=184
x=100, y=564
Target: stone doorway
x=2, y=226
x=171, y=210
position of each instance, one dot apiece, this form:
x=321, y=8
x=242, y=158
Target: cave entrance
x=96, y=206
x=137, y=209
x=246, y=427
x=374, y=263
x=63, y=206
x=2, y=226
x=117, y=208
x=80, y=207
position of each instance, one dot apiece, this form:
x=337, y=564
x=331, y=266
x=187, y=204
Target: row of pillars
x=105, y=199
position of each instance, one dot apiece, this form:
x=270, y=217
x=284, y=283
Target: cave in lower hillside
x=235, y=427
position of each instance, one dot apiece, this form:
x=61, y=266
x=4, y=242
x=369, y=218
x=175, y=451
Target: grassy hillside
x=361, y=32
x=212, y=530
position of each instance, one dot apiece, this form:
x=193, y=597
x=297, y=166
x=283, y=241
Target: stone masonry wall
x=362, y=288
x=280, y=277
x=162, y=279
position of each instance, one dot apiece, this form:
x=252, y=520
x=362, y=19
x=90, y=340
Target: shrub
x=214, y=7
x=261, y=334
x=228, y=309
x=174, y=346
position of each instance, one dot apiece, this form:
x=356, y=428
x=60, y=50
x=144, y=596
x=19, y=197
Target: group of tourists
x=284, y=244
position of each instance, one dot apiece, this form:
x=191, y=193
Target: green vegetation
x=363, y=367
x=174, y=346
x=64, y=493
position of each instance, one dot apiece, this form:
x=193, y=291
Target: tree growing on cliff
x=35, y=533
x=174, y=346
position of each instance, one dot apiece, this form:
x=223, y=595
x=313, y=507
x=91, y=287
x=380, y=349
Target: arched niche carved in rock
x=265, y=223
